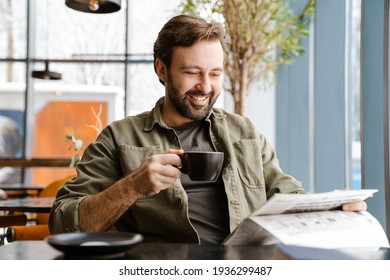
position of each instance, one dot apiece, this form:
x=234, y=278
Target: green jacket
x=251, y=174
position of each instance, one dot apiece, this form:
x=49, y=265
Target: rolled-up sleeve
x=64, y=216
x=97, y=171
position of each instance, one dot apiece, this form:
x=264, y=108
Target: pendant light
x=46, y=74
x=94, y=6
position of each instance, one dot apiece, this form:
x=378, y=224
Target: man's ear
x=161, y=70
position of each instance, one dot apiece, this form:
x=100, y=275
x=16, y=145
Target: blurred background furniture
x=20, y=190
x=10, y=220
x=36, y=227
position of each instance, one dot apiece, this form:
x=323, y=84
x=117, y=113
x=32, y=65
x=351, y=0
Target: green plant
x=76, y=145
x=262, y=33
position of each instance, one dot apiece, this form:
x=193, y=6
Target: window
x=105, y=61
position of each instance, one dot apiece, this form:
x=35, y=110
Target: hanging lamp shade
x=94, y=6
x=46, y=74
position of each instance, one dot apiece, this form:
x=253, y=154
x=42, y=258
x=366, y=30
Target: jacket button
x=234, y=202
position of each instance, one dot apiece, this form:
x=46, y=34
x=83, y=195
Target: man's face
x=194, y=80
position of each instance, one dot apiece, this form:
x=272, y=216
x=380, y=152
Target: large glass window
x=105, y=64
x=61, y=32
x=13, y=31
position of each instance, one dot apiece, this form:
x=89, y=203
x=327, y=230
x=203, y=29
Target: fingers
x=179, y=152
x=157, y=172
x=168, y=158
x=355, y=206
x=173, y=151
x=165, y=166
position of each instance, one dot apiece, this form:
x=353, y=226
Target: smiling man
x=128, y=179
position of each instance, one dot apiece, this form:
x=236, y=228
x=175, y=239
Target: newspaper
x=313, y=220
x=283, y=203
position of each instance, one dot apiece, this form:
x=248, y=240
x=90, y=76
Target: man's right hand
x=156, y=173
x=100, y=211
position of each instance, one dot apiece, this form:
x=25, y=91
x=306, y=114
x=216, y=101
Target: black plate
x=94, y=243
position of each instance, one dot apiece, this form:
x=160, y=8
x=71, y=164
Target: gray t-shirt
x=207, y=201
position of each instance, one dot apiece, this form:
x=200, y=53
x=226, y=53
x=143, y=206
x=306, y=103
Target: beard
x=184, y=107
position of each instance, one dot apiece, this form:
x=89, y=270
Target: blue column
x=311, y=131
x=329, y=95
x=293, y=113
x=374, y=124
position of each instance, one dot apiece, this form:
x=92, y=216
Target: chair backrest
x=51, y=191
x=41, y=230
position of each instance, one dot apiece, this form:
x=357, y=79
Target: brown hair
x=185, y=31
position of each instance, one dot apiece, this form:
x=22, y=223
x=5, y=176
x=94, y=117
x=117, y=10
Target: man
x=129, y=178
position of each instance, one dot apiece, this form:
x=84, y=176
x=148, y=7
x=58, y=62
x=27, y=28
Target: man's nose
x=204, y=84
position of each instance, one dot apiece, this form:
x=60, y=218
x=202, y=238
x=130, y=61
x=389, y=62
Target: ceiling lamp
x=94, y=6
x=46, y=74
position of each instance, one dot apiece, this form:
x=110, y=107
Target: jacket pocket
x=131, y=157
x=249, y=162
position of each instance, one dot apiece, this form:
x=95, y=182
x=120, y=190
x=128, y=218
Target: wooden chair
x=40, y=230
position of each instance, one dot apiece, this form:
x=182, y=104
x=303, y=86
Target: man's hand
x=355, y=206
x=156, y=173
x=100, y=211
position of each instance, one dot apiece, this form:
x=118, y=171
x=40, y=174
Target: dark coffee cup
x=202, y=165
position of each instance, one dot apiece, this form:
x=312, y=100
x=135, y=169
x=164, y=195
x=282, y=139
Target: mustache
x=199, y=93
